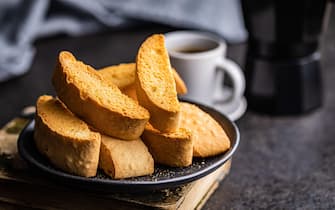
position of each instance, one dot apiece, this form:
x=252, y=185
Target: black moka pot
x=283, y=61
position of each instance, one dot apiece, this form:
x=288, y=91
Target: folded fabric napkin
x=23, y=21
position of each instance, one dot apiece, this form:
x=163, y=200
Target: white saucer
x=233, y=111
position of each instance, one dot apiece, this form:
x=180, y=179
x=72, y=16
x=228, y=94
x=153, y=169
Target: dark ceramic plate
x=163, y=177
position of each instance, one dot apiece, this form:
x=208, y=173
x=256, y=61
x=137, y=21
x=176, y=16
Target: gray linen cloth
x=23, y=21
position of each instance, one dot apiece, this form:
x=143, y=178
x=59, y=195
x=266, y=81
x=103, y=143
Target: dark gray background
x=282, y=162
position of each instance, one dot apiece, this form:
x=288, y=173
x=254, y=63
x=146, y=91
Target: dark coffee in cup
x=193, y=50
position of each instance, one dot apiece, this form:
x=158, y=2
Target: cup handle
x=231, y=69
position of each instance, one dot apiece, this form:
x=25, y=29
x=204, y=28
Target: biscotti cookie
x=123, y=76
x=209, y=137
x=155, y=85
x=98, y=102
x=172, y=149
x=64, y=139
x=122, y=159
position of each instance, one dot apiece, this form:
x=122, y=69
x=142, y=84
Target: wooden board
x=25, y=187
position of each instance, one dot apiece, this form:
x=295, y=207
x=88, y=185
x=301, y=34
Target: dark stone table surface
x=282, y=162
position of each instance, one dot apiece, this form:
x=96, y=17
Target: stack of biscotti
x=88, y=105
x=101, y=117
x=176, y=131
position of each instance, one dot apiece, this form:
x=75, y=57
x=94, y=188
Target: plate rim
x=120, y=183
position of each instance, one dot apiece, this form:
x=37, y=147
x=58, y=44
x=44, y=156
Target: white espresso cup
x=200, y=59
